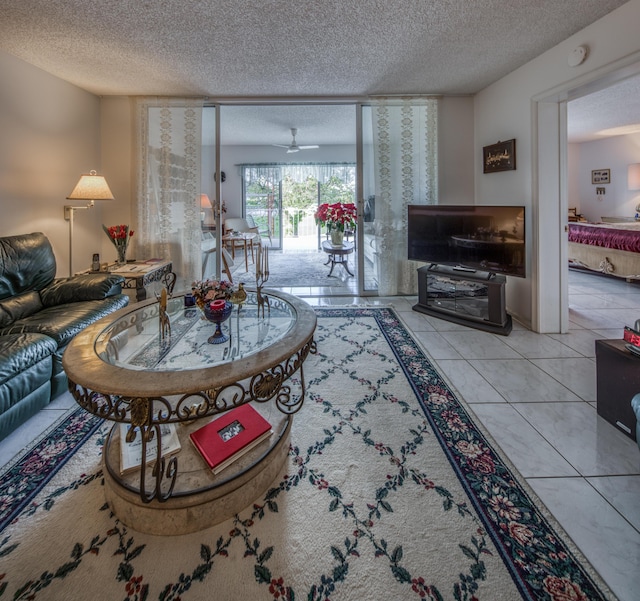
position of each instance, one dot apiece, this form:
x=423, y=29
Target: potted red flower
x=336, y=218
x=120, y=236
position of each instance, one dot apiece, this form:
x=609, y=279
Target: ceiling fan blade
x=293, y=147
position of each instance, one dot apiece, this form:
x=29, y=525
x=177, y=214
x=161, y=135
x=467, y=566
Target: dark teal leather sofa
x=39, y=315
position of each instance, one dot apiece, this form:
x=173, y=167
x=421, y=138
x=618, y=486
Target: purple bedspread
x=605, y=237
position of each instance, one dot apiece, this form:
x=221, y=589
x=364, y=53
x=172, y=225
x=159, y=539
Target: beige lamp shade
x=91, y=187
x=205, y=203
x=633, y=176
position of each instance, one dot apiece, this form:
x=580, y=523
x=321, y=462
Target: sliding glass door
x=368, y=238
x=265, y=173
x=398, y=159
x=261, y=201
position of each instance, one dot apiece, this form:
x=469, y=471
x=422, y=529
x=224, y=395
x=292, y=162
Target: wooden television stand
x=465, y=296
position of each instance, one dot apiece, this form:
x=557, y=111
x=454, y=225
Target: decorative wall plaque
x=499, y=157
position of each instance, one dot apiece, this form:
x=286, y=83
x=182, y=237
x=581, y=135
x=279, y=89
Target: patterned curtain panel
x=405, y=154
x=167, y=202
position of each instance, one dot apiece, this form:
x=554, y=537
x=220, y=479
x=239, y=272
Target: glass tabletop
x=135, y=341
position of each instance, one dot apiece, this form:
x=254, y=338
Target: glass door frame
x=358, y=103
x=361, y=203
x=216, y=203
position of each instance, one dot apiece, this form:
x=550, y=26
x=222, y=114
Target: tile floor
x=536, y=396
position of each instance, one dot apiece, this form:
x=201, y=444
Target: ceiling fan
x=293, y=147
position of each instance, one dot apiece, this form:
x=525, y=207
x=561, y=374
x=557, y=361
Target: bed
x=609, y=248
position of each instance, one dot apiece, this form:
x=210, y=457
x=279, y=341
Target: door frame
x=550, y=302
x=357, y=102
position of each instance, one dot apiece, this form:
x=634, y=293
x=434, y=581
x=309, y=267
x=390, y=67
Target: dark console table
x=466, y=296
x=618, y=381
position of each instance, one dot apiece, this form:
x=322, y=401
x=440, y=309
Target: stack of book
x=227, y=438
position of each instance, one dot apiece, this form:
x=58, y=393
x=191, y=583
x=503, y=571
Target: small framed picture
x=601, y=176
x=499, y=157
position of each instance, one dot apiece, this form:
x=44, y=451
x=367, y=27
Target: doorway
x=550, y=293
x=280, y=188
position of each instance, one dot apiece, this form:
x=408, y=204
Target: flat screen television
x=474, y=237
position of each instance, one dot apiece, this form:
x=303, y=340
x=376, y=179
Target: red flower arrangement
x=337, y=216
x=120, y=236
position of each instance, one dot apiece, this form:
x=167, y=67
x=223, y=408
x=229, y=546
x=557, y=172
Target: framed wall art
x=499, y=157
x=601, y=176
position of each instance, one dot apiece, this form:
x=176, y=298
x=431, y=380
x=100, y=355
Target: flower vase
x=337, y=237
x=122, y=254
x=220, y=312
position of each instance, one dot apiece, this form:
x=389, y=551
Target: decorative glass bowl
x=218, y=313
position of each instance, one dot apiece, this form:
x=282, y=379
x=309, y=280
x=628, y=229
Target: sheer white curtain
x=299, y=172
x=405, y=156
x=167, y=204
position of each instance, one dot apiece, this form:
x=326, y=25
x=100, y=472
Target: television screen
x=484, y=238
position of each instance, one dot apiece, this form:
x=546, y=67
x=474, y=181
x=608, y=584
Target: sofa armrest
x=93, y=286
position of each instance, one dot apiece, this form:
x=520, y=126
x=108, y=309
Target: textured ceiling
x=609, y=112
x=287, y=48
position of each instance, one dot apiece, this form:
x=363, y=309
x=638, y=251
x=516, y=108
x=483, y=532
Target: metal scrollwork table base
x=122, y=369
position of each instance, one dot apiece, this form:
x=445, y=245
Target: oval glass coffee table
x=123, y=369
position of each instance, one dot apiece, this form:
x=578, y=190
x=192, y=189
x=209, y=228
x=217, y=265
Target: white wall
x=506, y=110
x=118, y=161
x=573, y=179
x=616, y=154
x=49, y=136
x=455, y=150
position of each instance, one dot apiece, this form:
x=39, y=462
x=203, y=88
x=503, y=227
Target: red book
x=230, y=436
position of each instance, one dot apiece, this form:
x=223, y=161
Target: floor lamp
x=89, y=187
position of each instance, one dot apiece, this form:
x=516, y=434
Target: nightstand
x=618, y=381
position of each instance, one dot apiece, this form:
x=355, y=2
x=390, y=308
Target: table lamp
x=90, y=187
x=205, y=206
x=633, y=176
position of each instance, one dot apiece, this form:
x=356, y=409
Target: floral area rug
x=390, y=492
x=293, y=269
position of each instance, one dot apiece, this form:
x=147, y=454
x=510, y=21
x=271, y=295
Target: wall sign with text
x=499, y=157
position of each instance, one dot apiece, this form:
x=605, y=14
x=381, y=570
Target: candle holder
x=217, y=312
x=163, y=317
x=262, y=275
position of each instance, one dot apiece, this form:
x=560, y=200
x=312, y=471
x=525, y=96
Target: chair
x=209, y=247
x=253, y=226
x=241, y=225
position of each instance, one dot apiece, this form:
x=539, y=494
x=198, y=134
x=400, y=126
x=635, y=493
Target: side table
x=338, y=255
x=139, y=274
x=618, y=381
